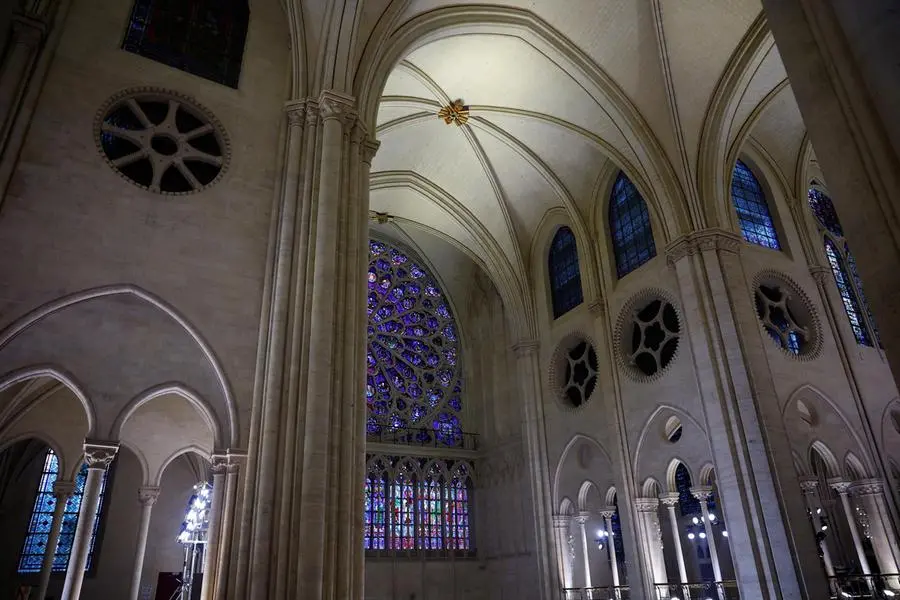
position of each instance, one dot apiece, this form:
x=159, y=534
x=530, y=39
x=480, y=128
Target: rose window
x=162, y=142
x=413, y=379
x=654, y=337
x=580, y=376
x=773, y=305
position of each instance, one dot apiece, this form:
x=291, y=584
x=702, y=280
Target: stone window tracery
x=629, y=224
x=565, y=276
x=843, y=269
x=752, y=209
x=39, y=525
x=655, y=332
x=413, y=374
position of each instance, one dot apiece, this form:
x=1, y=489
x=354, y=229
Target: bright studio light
x=724, y=533
x=702, y=536
x=690, y=536
x=696, y=520
x=888, y=593
x=712, y=516
x=824, y=527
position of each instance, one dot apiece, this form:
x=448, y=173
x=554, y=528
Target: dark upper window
x=752, y=209
x=565, y=278
x=686, y=500
x=629, y=224
x=843, y=268
x=202, y=37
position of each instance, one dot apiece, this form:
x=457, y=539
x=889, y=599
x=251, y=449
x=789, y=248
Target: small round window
x=161, y=141
x=655, y=332
x=785, y=316
x=576, y=372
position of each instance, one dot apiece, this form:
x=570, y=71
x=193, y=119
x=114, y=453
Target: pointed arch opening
x=752, y=208
x=564, y=272
x=629, y=227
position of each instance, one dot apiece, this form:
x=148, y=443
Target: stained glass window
x=411, y=509
x=202, y=37
x=565, y=278
x=752, y=209
x=843, y=268
x=42, y=517
x=689, y=505
x=413, y=375
x=629, y=223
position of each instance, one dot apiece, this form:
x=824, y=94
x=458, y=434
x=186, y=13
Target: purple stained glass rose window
x=413, y=380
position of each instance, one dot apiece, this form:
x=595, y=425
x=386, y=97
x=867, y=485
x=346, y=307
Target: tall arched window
x=202, y=37
x=843, y=268
x=629, y=225
x=42, y=516
x=565, y=278
x=413, y=375
x=752, y=209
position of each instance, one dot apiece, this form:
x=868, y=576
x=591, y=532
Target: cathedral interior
x=449, y=300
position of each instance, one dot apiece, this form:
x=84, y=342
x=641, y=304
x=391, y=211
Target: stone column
x=534, y=433
x=147, y=497
x=841, y=59
x=224, y=554
x=810, y=488
x=582, y=520
x=563, y=556
x=870, y=493
x=842, y=488
x=607, y=515
x=62, y=491
x=98, y=456
x=702, y=493
x=219, y=465
x=670, y=501
x=25, y=40
x=651, y=540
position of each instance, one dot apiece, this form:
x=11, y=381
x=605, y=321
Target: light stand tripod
x=193, y=536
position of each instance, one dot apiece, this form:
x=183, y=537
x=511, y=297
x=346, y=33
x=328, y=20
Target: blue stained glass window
x=689, y=505
x=565, y=277
x=202, y=37
x=848, y=294
x=629, y=224
x=413, y=370
x=752, y=209
x=42, y=516
x=843, y=267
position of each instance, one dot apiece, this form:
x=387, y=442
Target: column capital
x=296, y=111
x=334, y=105
x=525, y=348
x=63, y=489
x=646, y=505
x=561, y=521
x=809, y=485
x=226, y=461
x=840, y=485
x=597, y=308
x=99, y=455
x=701, y=492
x=669, y=499
x=701, y=241
x=370, y=147
x=147, y=495
x=582, y=517
x=608, y=512
x=819, y=274
x=867, y=487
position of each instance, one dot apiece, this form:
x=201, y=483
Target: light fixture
x=824, y=527
x=845, y=594
x=696, y=520
x=690, y=536
x=818, y=511
x=889, y=593
x=712, y=516
x=702, y=535
x=724, y=533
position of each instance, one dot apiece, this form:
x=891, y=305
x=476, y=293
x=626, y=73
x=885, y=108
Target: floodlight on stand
x=193, y=536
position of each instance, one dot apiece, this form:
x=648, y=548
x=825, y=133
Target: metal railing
x=607, y=592
x=422, y=436
x=698, y=590
x=879, y=587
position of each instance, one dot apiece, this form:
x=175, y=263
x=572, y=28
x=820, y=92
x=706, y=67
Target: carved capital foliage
x=646, y=505
x=809, y=485
x=296, y=112
x=148, y=495
x=867, y=487
x=226, y=462
x=333, y=105
x=819, y=274
x=63, y=489
x=99, y=455
x=839, y=485
x=582, y=517
x=702, y=241
x=701, y=492
x=608, y=513
x=369, y=148
x=597, y=308
x=219, y=464
x=561, y=521
x=669, y=500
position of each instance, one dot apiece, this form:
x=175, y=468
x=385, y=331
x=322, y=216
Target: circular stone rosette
x=573, y=371
x=787, y=316
x=648, y=335
x=162, y=141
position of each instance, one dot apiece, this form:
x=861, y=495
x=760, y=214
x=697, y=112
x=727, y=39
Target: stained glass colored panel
x=429, y=531
x=565, y=277
x=851, y=264
x=403, y=514
x=629, y=224
x=689, y=505
x=42, y=517
x=752, y=209
x=202, y=37
x=848, y=294
x=413, y=370
x=456, y=515
x=375, y=513
x=823, y=209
